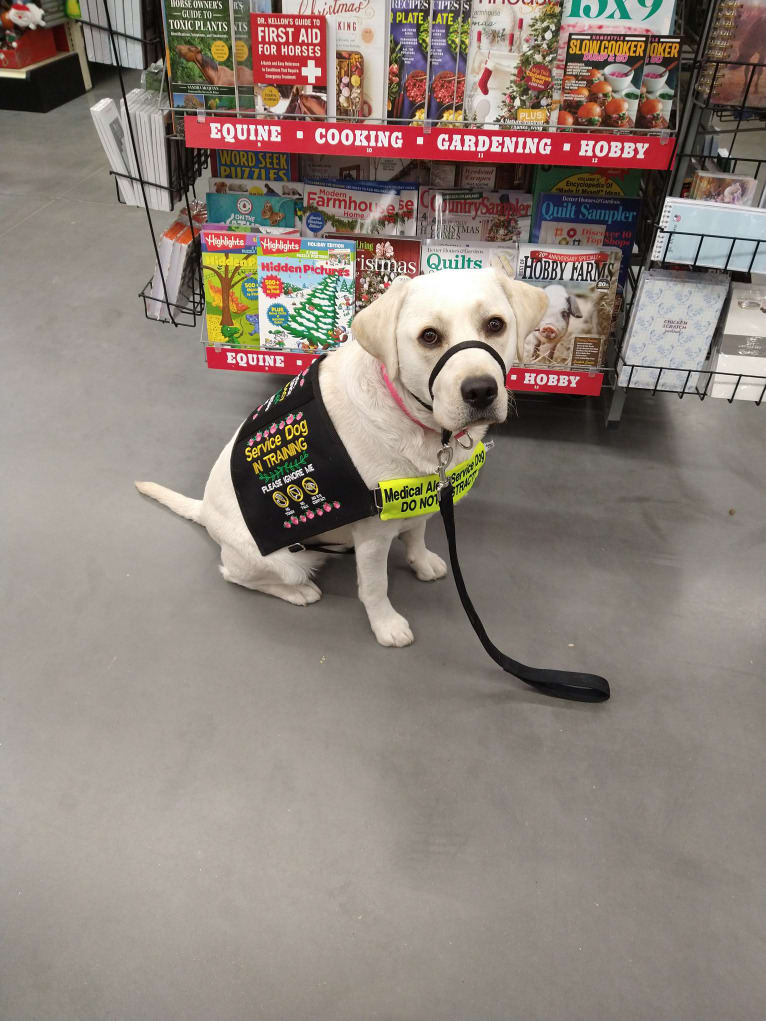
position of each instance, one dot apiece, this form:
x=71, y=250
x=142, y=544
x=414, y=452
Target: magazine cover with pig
x=581, y=288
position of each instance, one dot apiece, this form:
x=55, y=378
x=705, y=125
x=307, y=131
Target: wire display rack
x=186, y=166
x=704, y=124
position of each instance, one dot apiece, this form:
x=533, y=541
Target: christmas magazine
x=357, y=36
x=581, y=287
x=359, y=207
x=380, y=262
x=458, y=215
x=306, y=293
x=509, y=79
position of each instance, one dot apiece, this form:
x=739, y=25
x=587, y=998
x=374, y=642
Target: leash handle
x=566, y=684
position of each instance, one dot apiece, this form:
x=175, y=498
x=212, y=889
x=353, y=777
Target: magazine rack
x=665, y=160
x=703, y=122
x=187, y=167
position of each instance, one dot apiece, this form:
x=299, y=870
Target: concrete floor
x=217, y=806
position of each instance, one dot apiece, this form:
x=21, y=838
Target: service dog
x=374, y=389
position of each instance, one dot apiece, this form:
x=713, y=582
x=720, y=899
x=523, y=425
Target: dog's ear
x=375, y=326
x=528, y=303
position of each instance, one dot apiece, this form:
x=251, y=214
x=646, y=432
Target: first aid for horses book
x=290, y=64
x=672, y=324
x=581, y=286
x=357, y=35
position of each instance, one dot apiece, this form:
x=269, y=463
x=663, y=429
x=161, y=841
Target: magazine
x=591, y=220
x=408, y=60
x=357, y=39
x=201, y=48
x=447, y=51
x=263, y=166
x=581, y=287
x=249, y=212
x=359, y=207
x=306, y=293
x=230, y=279
x=657, y=107
x=629, y=17
x=509, y=78
x=460, y=215
x=290, y=64
x=380, y=262
x=439, y=255
x=602, y=82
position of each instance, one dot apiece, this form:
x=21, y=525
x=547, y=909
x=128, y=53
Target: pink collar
x=403, y=407
x=398, y=400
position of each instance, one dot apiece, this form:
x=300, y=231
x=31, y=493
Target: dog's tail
x=178, y=503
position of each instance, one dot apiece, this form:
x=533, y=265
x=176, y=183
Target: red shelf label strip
x=650, y=152
x=289, y=363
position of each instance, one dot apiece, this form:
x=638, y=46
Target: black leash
x=558, y=683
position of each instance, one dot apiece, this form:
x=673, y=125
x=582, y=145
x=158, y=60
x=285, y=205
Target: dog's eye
x=495, y=325
x=430, y=337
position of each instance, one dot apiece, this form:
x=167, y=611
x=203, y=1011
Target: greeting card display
x=306, y=293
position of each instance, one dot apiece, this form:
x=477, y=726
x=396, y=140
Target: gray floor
x=217, y=806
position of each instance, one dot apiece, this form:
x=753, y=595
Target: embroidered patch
x=292, y=475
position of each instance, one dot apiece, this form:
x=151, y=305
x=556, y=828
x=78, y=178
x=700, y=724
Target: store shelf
x=287, y=363
x=332, y=138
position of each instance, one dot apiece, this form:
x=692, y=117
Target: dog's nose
x=478, y=391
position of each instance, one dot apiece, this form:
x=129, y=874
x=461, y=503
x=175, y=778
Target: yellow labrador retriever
x=376, y=391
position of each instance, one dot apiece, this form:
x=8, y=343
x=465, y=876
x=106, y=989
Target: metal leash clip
x=443, y=459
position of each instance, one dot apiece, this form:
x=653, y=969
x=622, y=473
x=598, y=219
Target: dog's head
x=412, y=325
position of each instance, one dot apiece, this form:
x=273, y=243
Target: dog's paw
x=428, y=566
x=298, y=595
x=306, y=593
x=393, y=631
